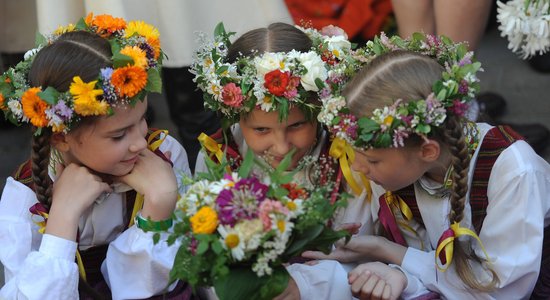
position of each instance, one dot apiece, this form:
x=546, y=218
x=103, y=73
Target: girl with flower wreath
x=268, y=85
x=77, y=220
x=466, y=209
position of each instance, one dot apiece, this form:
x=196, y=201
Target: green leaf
x=383, y=141
x=319, y=83
x=156, y=238
x=121, y=60
x=154, y=82
x=285, y=163
x=247, y=164
x=202, y=247
x=368, y=125
x=39, y=39
x=50, y=95
x=81, y=25
x=423, y=128
x=219, y=30
x=303, y=238
x=243, y=283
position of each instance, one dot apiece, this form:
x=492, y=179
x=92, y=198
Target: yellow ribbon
x=153, y=146
x=211, y=145
x=341, y=150
x=447, y=245
x=396, y=202
x=42, y=230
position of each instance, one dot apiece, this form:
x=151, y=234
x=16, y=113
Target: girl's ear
x=430, y=150
x=59, y=142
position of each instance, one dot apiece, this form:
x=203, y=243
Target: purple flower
x=466, y=60
x=463, y=87
x=241, y=201
x=106, y=74
x=62, y=110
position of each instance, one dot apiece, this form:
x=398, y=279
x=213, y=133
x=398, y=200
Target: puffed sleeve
x=512, y=231
x=35, y=266
x=327, y=279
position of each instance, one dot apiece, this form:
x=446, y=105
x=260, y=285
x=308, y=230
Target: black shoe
x=536, y=135
x=491, y=105
x=541, y=63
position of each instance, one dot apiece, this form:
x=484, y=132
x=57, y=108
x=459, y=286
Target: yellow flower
x=85, y=98
x=232, y=240
x=138, y=55
x=60, y=30
x=204, y=221
x=150, y=33
x=34, y=108
x=388, y=120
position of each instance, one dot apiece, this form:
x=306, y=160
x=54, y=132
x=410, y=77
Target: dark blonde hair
x=409, y=76
x=76, y=53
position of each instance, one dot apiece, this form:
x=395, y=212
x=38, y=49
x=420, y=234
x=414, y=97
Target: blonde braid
x=463, y=253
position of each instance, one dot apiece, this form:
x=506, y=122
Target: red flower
x=232, y=95
x=458, y=108
x=276, y=82
x=295, y=192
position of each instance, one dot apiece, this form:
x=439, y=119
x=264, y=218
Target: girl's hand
x=361, y=248
x=376, y=280
x=154, y=179
x=74, y=191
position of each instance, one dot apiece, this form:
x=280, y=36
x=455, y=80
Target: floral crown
x=391, y=125
x=273, y=81
x=136, y=61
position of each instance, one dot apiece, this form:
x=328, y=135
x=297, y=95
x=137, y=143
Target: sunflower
x=136, y=54
x=150, y=33
x=129, y=81
x=34, y=108
x=85, y=98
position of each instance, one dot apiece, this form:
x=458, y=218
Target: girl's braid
x=40, y=159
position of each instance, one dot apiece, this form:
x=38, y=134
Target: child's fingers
x=387, y=292
x=378, y=290
x=360, y=282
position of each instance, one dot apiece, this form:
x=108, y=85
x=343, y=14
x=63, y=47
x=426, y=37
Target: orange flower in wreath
x=34, y=108
x=129, y=81
x=2, y=105
x=105, y=24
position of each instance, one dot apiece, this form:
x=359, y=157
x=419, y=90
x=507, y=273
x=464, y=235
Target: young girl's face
x=391, y=168
x=111, y=144
x=272, y=139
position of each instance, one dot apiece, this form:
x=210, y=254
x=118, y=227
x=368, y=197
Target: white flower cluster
x=526, y=24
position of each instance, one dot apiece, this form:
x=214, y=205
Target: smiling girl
x=84, y=93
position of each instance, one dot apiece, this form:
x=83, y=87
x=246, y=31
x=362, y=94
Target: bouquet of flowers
x=237, y=230
x=526, y=23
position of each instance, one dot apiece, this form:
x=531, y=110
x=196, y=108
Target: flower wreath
x=389, y=126
x=273, y=81
x=136, y=63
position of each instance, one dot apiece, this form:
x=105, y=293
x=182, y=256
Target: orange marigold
x=34, y=108
x=129, y=81
x=105, y=24
x=2, y=105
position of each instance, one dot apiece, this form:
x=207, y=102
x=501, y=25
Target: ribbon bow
x=342, y=151
x=211, y=145
x=444, y=248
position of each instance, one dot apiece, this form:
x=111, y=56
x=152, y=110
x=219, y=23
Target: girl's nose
x=281, y=145
x=139, y=143
x=360, y=167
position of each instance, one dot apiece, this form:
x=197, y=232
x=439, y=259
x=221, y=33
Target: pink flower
x=267, y=207
x=232, y=95
x=331, y=30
